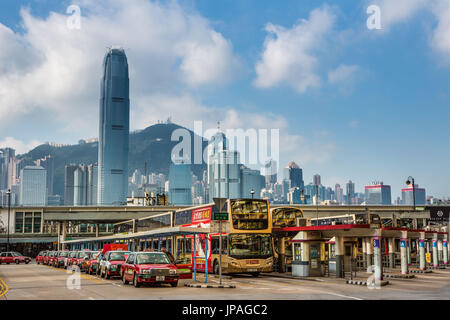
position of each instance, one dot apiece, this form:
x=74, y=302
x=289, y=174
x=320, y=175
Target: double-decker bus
x=285, y=217
x=357, y=218
x=246, y=237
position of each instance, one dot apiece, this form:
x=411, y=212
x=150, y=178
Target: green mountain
x=152, y=145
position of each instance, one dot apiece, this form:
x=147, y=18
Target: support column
x=364, y=250
x=440, y=253
x=281, y=250
x=422, y=265
x=369, y=251
x=408, y=251
x=64, y=234
x=445, y=252
x=403, y=255
x=377, y=258
x=305, y=258
x=96, y=230
x=391, y=248
x=339, y=250
x=435, y=254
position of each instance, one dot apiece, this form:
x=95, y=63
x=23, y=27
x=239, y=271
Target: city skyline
x=331, y=126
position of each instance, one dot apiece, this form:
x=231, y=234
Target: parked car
x=52, y=258
x=79, y=258
x=149, y=267
x=111, y=263
x=69, y=259
x=47, y=257
x=58, y=261
x=13, y=257
x=90, y=262
x=41, y=256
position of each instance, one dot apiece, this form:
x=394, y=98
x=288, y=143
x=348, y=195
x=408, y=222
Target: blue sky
x=386, y=119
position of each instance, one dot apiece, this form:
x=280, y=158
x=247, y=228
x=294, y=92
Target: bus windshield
x=250, y=246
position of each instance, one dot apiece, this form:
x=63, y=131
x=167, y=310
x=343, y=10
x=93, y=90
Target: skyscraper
x=48, y=164
x=114, y=130
x=316, y=180
x=378, y=194
x=33, y=189
x=69, y=184
x=419, y=194
x=294, y=173
x=338, y=193
x=270, y=172
x=350, y=191
x=180, y=184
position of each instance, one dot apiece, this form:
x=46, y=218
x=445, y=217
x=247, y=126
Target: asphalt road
x=32, y=281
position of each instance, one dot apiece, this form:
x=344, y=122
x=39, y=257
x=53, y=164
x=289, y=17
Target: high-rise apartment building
x=294, y=174
x=419, y=194
x=33, y=186
x=378, y=194
x=48, y=164
x=350, y=188
x=114, y=130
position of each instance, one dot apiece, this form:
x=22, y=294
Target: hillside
x=151, y=144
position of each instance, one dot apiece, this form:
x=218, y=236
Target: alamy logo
x=374, y=20
x=74, y=280
x=74, y=20
x=373, y=281
x=440, y=213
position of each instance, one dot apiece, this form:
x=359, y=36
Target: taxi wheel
x=17, y=261
x=174, y=284
x=107, y=276
x=125, y=281
x=27, y=261
x=135, y=282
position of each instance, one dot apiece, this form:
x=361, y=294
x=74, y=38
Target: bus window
x=249, y=214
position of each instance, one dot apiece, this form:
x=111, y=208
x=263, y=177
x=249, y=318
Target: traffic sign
x=220, y=216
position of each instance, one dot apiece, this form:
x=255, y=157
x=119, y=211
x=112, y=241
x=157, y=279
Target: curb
x=364, y=283
x=399, y=276
x=204, y=285
x=420, y=271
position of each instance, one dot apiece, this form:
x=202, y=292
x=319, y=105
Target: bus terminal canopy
x=156, y=233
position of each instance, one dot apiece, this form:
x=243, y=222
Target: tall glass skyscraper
x=114, y=130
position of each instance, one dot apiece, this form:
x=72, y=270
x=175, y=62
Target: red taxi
x=13, y=257
x=52, y=258
x=69, y=259
x=149, y=267
x=41, y=256
x=58, y=260
x=90, y=262
x=47, y=257
x=79, y=258
x=111, y=262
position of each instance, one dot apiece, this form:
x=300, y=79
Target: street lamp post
x=408, y=182
x=252, y=193
x=9, y=209
x=317, y=203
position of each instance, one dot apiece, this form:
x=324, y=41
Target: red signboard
x=201, y=215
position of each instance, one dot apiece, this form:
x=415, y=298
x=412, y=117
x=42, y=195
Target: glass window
x=37, y=222
x=250, y=245
x=130, y=259
x=152, y=258
x=19, y=222
x=28, y=226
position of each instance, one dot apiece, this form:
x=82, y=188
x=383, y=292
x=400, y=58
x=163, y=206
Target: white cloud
x=441, y=35
x=49, y=68
x=398, y=11
x=342, y=73
x=18, y=145
x=353, y=124
x=289, y=55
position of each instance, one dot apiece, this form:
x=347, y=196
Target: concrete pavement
x=32, y=281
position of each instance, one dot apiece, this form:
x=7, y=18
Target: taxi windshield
x=94, y=255
x=63, y=254
x=16, y=254
x=117, y=256
x=83, y=254
x=152, y=258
